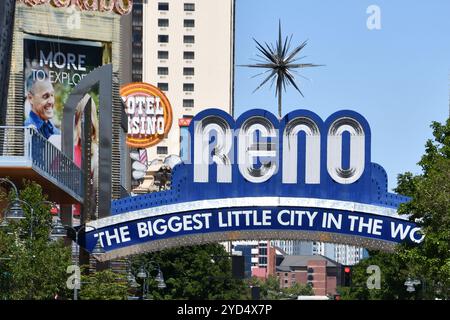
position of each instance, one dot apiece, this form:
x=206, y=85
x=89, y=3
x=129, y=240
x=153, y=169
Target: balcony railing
x=26, y=147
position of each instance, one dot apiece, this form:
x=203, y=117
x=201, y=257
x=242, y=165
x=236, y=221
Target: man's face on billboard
x=42, y=99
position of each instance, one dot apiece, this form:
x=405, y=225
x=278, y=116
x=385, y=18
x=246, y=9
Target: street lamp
x=59, y=230
x=144, y=274
x=14, y=211
x=411, y=283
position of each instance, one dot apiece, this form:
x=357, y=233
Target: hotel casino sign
x=149, y=114
x=121, y=7
x=258, y=177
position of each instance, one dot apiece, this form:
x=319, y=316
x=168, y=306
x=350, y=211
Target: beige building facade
x=188, y=52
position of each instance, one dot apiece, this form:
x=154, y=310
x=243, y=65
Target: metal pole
x=143, y=286
x=75, y=287
x=31, y=222
x=12, y=185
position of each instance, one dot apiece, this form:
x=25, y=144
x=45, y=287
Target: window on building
x=189, y=39
x=137, y=37
x=164, y=86
x=286, y=281
x=163, y=54
x=163, y=71
x=161, y=150
x=163, y=38
x=188, y=103
x=184, y=143
x=189, y=7
x=188, y=55
x=188, y=87
x=163, y=22
x=189, y=23
x=188, y=71
x=262, y=260
x=163, y=6
x=263, y=251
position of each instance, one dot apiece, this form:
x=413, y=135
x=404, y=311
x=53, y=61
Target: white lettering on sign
x=116, y=236
x=261, y=218
x=251, y=149
x=204, y=130
x=312, y=153
x=366, y=225
x=334, y=152
x=175, y=224
x=295, y=217
x=145, y=115
x=63, y=61
x=258, y=150
x=403, y=231
x=236, y=218
x=149, y=114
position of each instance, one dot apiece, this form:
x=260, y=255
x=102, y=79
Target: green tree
x=393, y=275
x=195, y=272
x=32, y=266
x=429, y=207
x=298, y=289
x=103, y=285
x=270, y=288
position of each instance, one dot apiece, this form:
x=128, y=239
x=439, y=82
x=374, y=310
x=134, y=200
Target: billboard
x=52, y=68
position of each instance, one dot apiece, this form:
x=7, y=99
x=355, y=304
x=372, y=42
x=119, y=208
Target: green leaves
x=430, y=208
x=103, y=285
x=195, y=272
x=32, y=267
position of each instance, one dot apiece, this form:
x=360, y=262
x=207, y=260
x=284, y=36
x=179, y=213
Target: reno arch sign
x=258, y=177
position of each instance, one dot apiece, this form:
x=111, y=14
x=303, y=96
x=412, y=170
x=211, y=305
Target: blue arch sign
x=259, y=177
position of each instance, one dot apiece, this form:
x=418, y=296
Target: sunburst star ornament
x=281, y=64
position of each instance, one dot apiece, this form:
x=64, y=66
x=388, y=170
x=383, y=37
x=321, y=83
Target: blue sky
x=396, y=77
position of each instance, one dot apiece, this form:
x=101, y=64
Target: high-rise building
x=344, y=254
x=294, y=247
x=186, y=48
x=260, y=256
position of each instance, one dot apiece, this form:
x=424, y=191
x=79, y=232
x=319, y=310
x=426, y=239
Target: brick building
x=322, y=273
